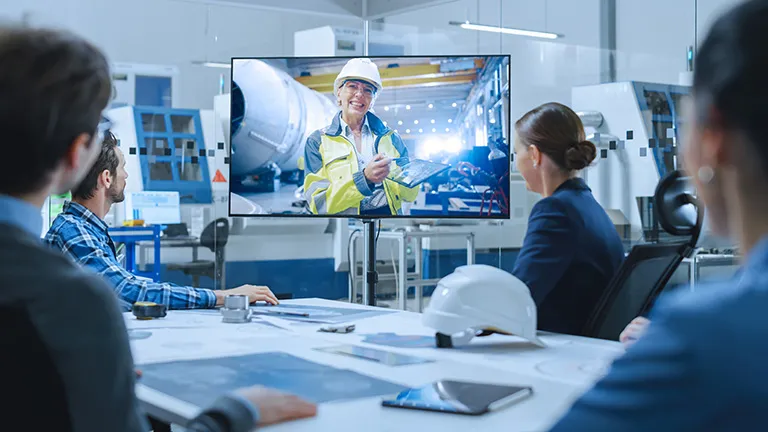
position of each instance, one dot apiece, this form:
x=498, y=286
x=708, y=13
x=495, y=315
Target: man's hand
x=633, y=331
x=378, y=169
x=277, y=407
x=254, y=293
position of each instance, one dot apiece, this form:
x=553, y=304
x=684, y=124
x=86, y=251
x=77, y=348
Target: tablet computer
x=457, y=397
x=413, y=172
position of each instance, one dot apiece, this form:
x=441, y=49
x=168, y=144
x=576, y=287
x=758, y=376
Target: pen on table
x=301, y=314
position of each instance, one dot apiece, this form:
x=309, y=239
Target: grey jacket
x=64, y=349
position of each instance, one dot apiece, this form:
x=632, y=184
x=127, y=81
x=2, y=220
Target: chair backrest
x=215, y=235
x=646, y=271
x=639, y=281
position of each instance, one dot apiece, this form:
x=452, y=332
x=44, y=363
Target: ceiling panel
x=338, y=8
x=345, y=8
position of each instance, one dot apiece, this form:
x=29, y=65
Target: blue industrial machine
x=662, y=103
x=173, y=150
x=172, y=153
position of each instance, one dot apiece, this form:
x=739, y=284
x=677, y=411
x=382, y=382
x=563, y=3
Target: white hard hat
x=360, y=69
x=480, y=298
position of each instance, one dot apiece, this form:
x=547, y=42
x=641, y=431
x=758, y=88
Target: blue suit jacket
x=570, y=253
x=701, y=365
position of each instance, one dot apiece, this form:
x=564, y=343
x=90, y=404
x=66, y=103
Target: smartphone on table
x=458, y=397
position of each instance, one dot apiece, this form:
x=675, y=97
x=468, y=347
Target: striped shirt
x=83, y=236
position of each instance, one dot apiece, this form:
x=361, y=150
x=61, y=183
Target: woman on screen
x=347, y=162
x=572, y=249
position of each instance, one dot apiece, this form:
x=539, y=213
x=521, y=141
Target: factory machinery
x=637, y=128
x=271, y=119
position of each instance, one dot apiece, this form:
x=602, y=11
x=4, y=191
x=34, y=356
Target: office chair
x=646, y=271
x=213, y=237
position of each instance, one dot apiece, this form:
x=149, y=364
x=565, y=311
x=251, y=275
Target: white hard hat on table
x=480, y=298
x=359, y=69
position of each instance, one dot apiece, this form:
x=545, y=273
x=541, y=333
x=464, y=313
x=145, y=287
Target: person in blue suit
x=572, y=249
x=700, y=363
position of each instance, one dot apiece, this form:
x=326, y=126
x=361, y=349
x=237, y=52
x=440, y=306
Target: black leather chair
x=648, y=267
x=213, y=237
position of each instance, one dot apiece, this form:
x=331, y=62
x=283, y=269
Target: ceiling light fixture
x=505, y=30
x=218, y=65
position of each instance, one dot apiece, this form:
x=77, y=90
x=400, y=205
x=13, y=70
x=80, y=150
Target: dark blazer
x=64, y=349
x=570, y=253
x=65, y=353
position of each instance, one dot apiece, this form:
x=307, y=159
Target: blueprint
x=200, y=382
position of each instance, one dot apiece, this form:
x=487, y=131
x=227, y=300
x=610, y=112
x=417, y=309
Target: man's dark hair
x=730, y=73
x=108, y=160
x=53, y=88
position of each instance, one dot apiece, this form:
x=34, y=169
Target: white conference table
x=558, y=374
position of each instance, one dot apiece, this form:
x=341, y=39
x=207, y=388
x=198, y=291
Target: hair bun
x=580, y=155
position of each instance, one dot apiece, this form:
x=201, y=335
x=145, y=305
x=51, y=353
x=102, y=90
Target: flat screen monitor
x=155, y=208
x=370, y=137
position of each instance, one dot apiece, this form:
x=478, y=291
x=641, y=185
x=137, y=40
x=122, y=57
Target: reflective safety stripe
x=315, y=186
x=320, y=203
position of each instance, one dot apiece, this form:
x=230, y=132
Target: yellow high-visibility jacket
x=335, y=184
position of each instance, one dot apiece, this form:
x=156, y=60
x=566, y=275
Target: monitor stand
x=369, y=262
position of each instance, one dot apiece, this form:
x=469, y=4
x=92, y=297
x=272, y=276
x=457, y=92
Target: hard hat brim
x=341, y=81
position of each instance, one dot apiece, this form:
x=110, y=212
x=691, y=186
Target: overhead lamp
x=430, y=106
x=407, y=107
x=450, y=120
x=218, y=65
x=407, y=131
x=421, y=130
x=399, y=122
x=454, y=104
x=505, y=30
x=415, y=122
x=386, y=108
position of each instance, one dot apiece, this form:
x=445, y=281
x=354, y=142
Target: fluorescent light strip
x=218, y=65
x=505, y=30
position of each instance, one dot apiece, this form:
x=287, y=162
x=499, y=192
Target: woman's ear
x=535, y=155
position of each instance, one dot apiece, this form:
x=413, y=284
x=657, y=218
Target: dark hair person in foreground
x=64, y=345
x=700, y=364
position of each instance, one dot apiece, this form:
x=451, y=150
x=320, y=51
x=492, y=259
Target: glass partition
x=627, y=61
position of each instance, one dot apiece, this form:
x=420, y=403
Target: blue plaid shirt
x=85, y=237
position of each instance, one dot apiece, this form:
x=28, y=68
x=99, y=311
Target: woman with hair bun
x=571, y=249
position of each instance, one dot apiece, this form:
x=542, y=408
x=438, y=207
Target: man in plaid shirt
x=81, y=233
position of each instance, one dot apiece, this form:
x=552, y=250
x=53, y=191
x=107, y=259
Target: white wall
x=173, y=32
x=653, y=35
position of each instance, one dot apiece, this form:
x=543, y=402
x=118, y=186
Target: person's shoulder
x=65, y=222
x=60, y=274
x=65, y=227
x=553, y=205
x=315, y=137
x=719, y=310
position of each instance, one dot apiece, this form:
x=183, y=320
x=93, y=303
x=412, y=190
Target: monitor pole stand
x=370, y=278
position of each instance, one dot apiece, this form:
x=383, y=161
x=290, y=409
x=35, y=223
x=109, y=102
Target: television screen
x=370, y=137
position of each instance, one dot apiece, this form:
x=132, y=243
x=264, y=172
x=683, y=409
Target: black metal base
x=443, y=340
x=369, y=265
